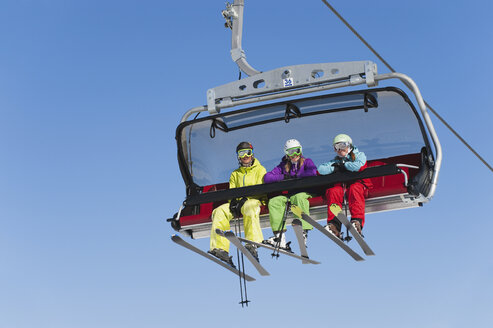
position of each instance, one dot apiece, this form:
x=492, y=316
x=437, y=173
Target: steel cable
x=393, y=71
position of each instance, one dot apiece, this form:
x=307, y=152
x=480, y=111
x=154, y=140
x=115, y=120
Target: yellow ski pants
x=222, y=215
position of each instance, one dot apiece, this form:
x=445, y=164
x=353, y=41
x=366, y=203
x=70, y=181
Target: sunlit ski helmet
x=342, y=141
x=292, y=147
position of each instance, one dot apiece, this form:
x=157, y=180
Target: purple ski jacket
x=278, y=173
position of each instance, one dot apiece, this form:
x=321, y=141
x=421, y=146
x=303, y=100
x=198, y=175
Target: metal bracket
x=234, y=20
x=290, y=78
x=237, y=54
x=229, y=14
x=406, y=199
x=370, y=72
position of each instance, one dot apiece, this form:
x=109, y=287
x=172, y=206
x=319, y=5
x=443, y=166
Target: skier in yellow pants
x=249, y=173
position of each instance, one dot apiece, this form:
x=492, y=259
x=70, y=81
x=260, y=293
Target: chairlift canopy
x=382, y=123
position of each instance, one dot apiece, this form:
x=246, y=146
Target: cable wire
x=393, y=71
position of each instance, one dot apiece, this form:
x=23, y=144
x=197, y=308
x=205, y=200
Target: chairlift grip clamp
x=211, y=102
x=370, y=72
x=237, y=54
x=229, y=14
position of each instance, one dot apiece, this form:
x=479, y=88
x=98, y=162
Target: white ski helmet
x=342, y=138
x=292, y=144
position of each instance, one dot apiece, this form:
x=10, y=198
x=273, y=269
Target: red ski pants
x=356, y=193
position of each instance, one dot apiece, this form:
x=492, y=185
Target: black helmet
x=244, y=145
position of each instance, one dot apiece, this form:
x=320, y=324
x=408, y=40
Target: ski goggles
x=341, y=146
x=244, y=153
x=293, y=151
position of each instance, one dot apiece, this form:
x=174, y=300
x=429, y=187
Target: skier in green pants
x=293, y=165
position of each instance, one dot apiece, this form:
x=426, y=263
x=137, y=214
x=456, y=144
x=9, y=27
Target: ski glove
x=236, y=205
x=287, y=176
x=338, y=167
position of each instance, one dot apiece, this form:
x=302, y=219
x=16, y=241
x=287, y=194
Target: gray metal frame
x=290, y=80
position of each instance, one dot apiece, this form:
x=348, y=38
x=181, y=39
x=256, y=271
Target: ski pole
x=281, y=231
x=348, y=238
x=241, y=264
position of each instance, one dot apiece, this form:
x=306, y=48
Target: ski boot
x=222, y=255
x=253, y=250
x=272, y=241
x=333, y=229
x=357, y=225
x=305, y=236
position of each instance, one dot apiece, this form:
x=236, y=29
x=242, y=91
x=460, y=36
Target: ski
x=282, y=251
x=336, y=210
x=298, y=230
x=232, y=238
x=298, y=212
x=181, y=242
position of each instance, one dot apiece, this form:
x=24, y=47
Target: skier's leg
x=356, y=201
x=301, y=199
x=220, y=220
x=251, y=220
x=334, y=195
x=277, y=205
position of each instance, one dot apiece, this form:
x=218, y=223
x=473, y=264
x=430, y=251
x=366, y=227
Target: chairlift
x=312, y=103
x=267, y=108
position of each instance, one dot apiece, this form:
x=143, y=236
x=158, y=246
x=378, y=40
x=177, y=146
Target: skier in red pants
x=351, y=159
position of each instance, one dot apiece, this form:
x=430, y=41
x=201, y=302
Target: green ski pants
x=277, y=206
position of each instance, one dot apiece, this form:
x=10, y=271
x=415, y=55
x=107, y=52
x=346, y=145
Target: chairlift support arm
x=234, y=20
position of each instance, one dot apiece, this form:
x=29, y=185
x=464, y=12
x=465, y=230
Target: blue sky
x=90, y=95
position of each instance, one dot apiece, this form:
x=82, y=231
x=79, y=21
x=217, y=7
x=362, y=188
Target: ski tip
x=296, y=210
x=335, y=209
x=357, y=257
